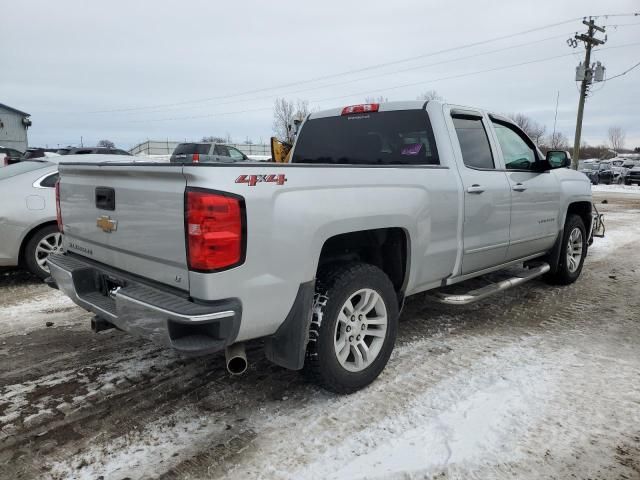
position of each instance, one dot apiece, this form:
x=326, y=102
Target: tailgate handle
x=105, y=198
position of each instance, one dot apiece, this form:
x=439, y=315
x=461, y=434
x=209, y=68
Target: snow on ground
x=33, y=314
x=626, y=189
x=141, y=453
x=617, y=240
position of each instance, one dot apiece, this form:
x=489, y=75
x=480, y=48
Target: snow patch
x=627, y=189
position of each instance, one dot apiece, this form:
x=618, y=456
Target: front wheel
x=572, y=253
x=354, y=327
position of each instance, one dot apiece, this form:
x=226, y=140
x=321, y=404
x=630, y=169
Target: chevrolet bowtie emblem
x=105, y=223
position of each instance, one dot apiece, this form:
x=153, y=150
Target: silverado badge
x=105, y=223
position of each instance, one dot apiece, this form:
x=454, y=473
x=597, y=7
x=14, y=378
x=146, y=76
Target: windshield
x=401, y=137
x=21, y=167
x=589, y=166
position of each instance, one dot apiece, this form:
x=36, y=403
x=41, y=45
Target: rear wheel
x=354, y=327
x=573, y=252
x=44, y=242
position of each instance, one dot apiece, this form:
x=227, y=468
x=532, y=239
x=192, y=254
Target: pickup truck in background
x=316, y=256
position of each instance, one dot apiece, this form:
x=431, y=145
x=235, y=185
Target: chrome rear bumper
x=147, y=310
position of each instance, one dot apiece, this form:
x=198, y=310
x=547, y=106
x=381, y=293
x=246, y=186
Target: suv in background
x=36, y=152
x=91, y=150
x=206, y=152
x=9, y=156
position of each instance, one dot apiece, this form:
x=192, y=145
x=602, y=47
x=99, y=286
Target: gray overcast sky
x=62, y=61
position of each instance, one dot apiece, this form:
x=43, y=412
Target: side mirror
x=558, y=159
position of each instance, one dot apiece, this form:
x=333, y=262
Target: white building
x=13, y=128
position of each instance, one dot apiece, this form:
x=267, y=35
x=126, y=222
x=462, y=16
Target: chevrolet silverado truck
x=315, y=257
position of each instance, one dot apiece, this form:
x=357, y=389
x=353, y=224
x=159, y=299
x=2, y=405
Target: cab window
x=518, y=154
x=474, y=142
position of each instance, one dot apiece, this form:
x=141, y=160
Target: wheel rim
x=360, y=330
x=48, y=245
x=574, y=249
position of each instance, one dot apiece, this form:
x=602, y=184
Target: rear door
x=127, y=217
x=487, y=195
x=535, y=194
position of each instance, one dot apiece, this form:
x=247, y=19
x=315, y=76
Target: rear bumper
x=147, y=310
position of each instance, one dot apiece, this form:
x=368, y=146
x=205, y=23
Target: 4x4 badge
x=105, y=223
x=252, y=180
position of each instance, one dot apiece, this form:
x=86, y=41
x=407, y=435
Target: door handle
x=518, y=187
x=475, y=188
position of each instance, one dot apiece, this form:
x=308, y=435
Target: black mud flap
x=287, y=347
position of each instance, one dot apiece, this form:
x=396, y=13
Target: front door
x=487, y=195
x=535, y=194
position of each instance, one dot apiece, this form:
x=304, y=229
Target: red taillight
x=58, y=213
x=195, y=158
x=215, y=230
x=362, y=108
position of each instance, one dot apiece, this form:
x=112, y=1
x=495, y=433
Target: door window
x=235, y=154
x=474, y=142
x=221, y=150
x=517, y=153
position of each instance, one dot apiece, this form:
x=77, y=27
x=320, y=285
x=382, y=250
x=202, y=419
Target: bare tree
x=557, y=141
x=533, y=129
x=214, y=139
x=430, y=95
x=379, y=99
x=106, y=143
x=284, y=114
x=616, y=138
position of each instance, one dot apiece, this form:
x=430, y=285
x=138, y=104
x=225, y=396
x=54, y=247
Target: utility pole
x=584, y=72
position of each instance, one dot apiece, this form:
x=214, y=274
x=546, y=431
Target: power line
x=378, y=75
x=466, y=74
x=368, y=77
x=623, y=73
x=348, y=72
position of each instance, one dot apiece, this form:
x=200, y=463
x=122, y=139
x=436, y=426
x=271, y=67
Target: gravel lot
x=538, y=382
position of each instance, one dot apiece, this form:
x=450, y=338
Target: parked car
x=607, y=174
x=591, y=171
x=9, y=156
x=91, y=151
x=632, y=176
x=28, y=229
x=316, y=257
x=206, y=152
x=33, y=153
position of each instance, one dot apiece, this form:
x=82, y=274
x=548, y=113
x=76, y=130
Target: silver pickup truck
x=315, y=257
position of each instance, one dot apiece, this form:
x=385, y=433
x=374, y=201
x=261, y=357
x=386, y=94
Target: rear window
x=21, y=167
x=378, y=138
x=191, y=148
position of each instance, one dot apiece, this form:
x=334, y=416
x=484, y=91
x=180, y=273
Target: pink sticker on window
x=411, y=149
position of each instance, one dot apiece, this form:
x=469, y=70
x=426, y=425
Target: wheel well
x=386, y=248
x=28, y=237
x=583, y=209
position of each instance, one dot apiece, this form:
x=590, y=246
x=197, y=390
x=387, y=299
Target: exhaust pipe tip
x=236, y=358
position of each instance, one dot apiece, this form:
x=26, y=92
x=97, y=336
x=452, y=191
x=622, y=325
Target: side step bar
x=480, y=293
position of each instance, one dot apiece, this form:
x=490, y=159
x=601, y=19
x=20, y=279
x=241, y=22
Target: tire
x=339, y=289
x=43, y=242
x=573, y=245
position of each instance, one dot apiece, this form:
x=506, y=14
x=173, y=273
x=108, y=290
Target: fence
x=166, y=147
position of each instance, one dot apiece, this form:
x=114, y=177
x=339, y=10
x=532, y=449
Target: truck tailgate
x=129, y=217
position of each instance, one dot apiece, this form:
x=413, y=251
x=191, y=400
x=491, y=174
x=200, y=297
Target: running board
x=480, y=293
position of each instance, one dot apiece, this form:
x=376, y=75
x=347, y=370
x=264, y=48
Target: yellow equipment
x=280, y=151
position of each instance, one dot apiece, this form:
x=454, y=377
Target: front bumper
x=147, y=310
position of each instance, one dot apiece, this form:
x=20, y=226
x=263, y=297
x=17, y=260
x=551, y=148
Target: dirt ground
x=537, y=382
